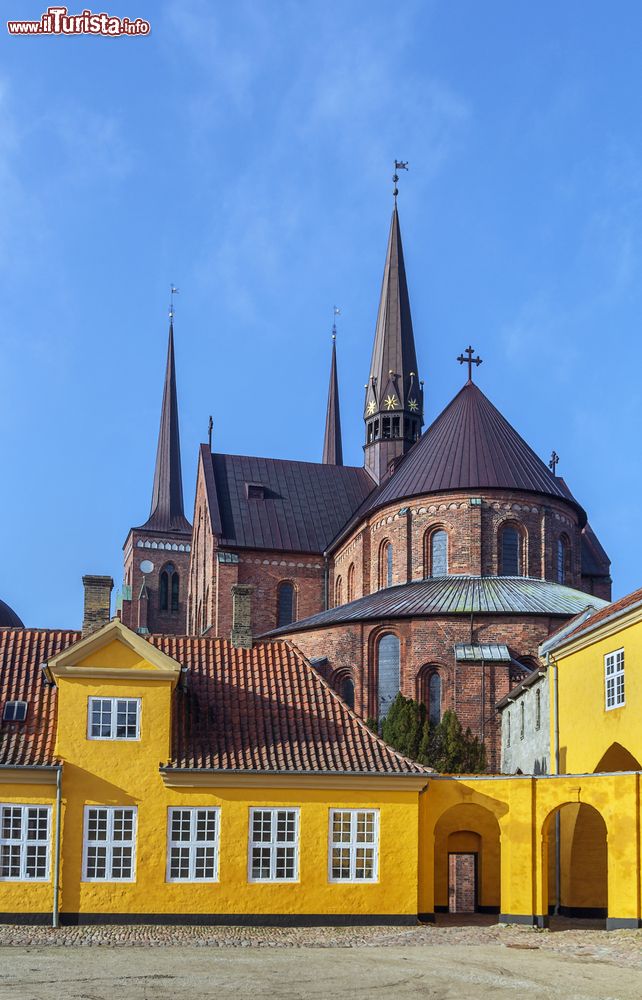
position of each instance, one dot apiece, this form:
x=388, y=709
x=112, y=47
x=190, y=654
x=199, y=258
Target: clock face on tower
x=146, y=566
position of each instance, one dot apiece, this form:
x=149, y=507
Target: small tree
x=404, y=725
x=445, y=747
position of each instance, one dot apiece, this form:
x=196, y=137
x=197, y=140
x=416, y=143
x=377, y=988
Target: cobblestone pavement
x=444, y=961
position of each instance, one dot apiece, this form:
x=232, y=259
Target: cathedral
x=436, y=569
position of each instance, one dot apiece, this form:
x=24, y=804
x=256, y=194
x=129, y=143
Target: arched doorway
x=467, y=861
x=575, y=859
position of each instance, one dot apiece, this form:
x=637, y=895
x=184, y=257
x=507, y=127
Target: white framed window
x=193, y=845
x=113, y=719
x=24, y=843
x=274, y=845
x=109, y=844
x=614, y=679
x=354, y=845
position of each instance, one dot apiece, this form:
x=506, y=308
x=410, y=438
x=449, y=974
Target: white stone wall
x=530, y=752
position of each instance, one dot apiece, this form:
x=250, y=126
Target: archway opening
x=467, y=862
x=575, y=855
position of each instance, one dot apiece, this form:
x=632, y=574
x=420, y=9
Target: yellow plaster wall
x=32, y=897
x=587, y=729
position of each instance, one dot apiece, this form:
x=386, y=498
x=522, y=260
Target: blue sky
x=244, y=152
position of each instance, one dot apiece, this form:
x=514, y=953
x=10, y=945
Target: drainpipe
x=55, y=921
x=556, y=752
x=326, y=582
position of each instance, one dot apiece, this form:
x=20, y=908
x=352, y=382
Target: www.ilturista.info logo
x=56, y=21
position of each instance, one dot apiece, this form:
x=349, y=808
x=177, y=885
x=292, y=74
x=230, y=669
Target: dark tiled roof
x=8, y=617
x=21, y=652
x=455, y=595
x=265, y=709
x=469, y=446
x=604, y=614
x=304, y=504
x=167, y=512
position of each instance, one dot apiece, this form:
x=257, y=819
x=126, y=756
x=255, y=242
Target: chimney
x=242, y=615
x=97, y=610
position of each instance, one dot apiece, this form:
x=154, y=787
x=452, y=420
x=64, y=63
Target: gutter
x=55, y=921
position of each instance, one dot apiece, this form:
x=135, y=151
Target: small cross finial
x=335, y=312
x=172, y=292
x=399, y=165
x=210, y=426
x=470, y=361
x=553, y=462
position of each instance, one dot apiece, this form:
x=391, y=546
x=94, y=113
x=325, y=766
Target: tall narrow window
x=169, y=587
x=510, y=546
x=389, y=565
x=507, y=729
x=388, y=672
x=285, y=603
x=354, y=845
x=561, y=560
x=385, y=565
x=347, y=691
x=614, y=679
x=24, y=843
x=338, y=592
x=434, y=699
x=538, y=709
x=274, y=845
x=439, y=553
x=193, y=836
x=351, y=582
x=521, y=720
x=110, y=836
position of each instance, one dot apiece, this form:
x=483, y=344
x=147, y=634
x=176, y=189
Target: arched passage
x=467, y=861
x=575, y=859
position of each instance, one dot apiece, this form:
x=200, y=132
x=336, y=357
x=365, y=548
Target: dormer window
x=114, y=719
x=14, y=711
x=255, y=491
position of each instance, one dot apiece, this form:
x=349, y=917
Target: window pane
x=510, y=552
x=439, y=553
x=388, y=654
x=179, y=862
x=285, y=604
x=261, y=862
x=340, y=862
x=434, y=699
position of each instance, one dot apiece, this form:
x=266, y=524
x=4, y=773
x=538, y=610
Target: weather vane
x=172, y=292
x=470, y=361
x=553, y=462
x=335, y=312
x=210, y=426
x=399, y=165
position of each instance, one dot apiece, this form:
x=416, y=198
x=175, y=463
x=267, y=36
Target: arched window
x=434, y=699
x=538, y=709
x=388, y=672
x=169, y=588
x=285, y=603
x=521, y=720
x=338, y=592
x=510, y=551
x=438, y=553
x=351, y=582
x=385, y=565
x=562, y=559
x=347, y=691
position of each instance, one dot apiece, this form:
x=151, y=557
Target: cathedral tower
x=393, y=410
x=157, y=553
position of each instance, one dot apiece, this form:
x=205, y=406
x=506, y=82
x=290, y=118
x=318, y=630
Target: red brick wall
x=145, y=545
x=470, y=690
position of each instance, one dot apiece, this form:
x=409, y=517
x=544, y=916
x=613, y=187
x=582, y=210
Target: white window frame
x=24, y=842
x=13, y=703
x=193, y=844
x=273, y=844
x=114, y=718
x=614, y=660
x=353, y=845
x=109, y=843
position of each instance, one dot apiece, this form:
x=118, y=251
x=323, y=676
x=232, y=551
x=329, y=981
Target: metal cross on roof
x=470, y=361
x=172, y=292
x=553, y=462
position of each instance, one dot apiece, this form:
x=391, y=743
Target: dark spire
x=167, y=512
x=394, y=395
x=332, y=448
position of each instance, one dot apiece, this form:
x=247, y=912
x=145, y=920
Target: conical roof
x=332, y=446
x=167, y=513
x=470, y=446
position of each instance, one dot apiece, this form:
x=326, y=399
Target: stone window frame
x=193, y=843
x=338, y=591
x=339, y=677
x=523, y=553
x=354, y=845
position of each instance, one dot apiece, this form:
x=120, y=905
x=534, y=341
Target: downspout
x=556, y=752
x=55, y=921
x=326, y=582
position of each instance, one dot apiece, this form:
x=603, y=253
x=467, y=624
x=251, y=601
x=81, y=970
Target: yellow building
x=178, y=779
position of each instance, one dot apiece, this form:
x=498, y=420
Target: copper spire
x=332, y=447
x=167, y=512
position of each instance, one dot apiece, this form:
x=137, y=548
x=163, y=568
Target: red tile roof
x=22, y=651
x=265, y=709
x=614, y=610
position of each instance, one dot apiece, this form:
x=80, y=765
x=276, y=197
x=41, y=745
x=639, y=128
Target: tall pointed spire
x=332, y=447
x=167, y=513
x=393, y=409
